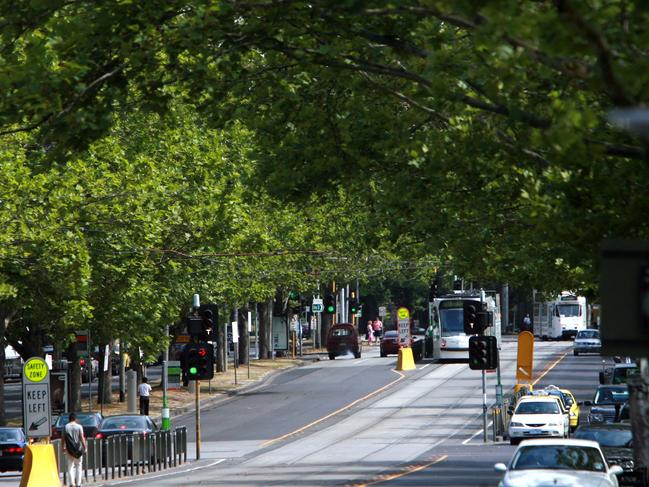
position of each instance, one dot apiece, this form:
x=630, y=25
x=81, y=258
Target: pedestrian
x=527, y=323
x=377, y=326
x=74, y=445
x=144, y=390
x=370, y=332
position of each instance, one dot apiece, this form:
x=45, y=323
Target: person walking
x=144, y=390
x=74, y=445
x=527, y=323
x=377, y=326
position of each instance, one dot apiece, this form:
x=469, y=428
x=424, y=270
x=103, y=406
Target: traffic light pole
x=484, y=406
x=198, y=419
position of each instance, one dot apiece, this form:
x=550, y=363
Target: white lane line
x=147, y=478
x=476, y=434
x=422, y=368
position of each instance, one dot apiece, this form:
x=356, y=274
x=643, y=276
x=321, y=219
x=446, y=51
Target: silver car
x=558, y=462
x=587, y=341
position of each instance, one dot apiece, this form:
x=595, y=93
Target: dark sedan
x=12, y=449
x=126, y=424
x=390, y=343
x=89, y=422
x=607, y=403
x=616, y=442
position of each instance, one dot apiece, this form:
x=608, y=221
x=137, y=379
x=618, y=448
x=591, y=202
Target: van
x=342, y=339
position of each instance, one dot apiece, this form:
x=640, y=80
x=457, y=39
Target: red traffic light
x=202, y=352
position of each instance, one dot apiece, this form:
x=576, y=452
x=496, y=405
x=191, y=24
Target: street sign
x=317, y=307
x=403, y=324
x=383, y=311
x=235, y=332
x=37, y=413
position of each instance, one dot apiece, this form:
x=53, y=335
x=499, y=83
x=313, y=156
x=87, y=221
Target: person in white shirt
x=74, y=445
x=144, y=390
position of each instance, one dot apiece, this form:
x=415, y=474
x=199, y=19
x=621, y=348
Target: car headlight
x=516, y=425
x=596, y=418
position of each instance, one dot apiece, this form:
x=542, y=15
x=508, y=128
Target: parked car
x=125, y=424
x=12, y=449
x=587, y=341
x=616, y=442
x=606, y=405
x=89, y=422
x=618, y=374
x=537, y=416
x=342, y=339
x=558, y=462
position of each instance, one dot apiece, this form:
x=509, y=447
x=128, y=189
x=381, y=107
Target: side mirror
x=587, y=403
x=510, y=410
x=616, y=470
x=502, y=468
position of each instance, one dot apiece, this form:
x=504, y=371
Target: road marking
x=427, y=365
x=405, y=471
x=220, y=460
x=338, y=411
x=476, y=434
x=548, y=369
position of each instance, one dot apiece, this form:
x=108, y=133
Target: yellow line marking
x=548, y=369
x=338, y=411
x=405, y=471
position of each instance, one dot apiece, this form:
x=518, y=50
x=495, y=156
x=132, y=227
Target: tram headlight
x=443, y=343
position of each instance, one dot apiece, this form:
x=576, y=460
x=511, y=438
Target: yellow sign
x=35, y=369
x=403, y=313
x=525, y=357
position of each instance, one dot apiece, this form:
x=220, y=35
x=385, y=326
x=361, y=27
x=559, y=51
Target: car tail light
x=99, y=436
x=13, y=450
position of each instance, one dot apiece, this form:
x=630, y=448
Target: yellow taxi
x=570, y=402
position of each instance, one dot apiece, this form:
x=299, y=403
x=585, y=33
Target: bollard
x=131, y=391
x=191, y=387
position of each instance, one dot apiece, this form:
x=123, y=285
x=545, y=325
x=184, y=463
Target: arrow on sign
x=34, y=426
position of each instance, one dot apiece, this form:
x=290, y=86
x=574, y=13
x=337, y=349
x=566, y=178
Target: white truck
x=560, y=318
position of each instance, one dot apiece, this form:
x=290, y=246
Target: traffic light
x=471, y=319
x=198, y=361
x=209, y=317
x=434, y=290
x=483, y=352
x=353, y=303
x=330, y=304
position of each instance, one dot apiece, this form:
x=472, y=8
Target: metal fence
x=128, y=455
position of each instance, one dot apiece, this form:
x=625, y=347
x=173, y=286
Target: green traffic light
x=330, y=309
x=193, y=370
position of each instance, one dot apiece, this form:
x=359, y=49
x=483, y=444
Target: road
x=359, y=422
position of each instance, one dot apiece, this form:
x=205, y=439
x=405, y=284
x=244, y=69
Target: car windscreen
x=391, y=334
x=124, y=423
x=452, y=320
x=560, y=457
x=531, y=407
x=610, y=395
x=341, y=332
x=7, y=436
x=620, y=438
x=87, y=420
x=588, y=334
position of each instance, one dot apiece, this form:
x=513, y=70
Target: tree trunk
x=3, y=327
x=74, y=376
x=244, y=336
x=265, y=332
x=221, y=343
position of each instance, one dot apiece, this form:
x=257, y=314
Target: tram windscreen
x=451, y=315
x=568, y=310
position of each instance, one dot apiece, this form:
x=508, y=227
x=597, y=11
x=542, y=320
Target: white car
x=568, y=463
x=538, y=417
x=587, y=341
